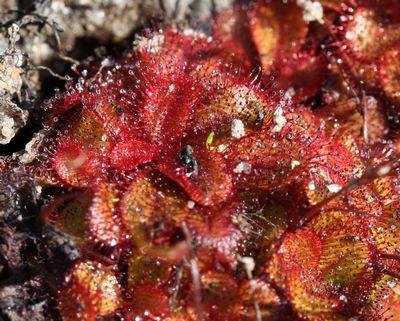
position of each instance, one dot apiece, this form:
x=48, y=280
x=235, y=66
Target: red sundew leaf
x=111, y=97
x=332, y=161
x=218, y=233
x=147, y=270
x=327, y=223
x=346, y=257
x=211, y=184
x=303, y=74
x=113, y=119
x=259, y=292
x=150, y=200
x=174, y=53
x=332, y=279
x=365, y=32
x=168, y=52
x=294, y=268
x=77, y=166
x=387, y=189
x=385, y=301
x=61, y=104
x=78, y=151
x=149, y=303
x=231, y=28
x=230, y=98
x=278, y=30
x=127, y=154
x=385, y=235
x=310, y=302
x=103, y=221
x=390, y=73
x=364, y=201
x=155, y=59
x=265, y=30
x=279, y=153
x=276, y=172
x=300, y=252
x=153, y=199
x=287, y=133
x=167, y=108
x=345, y=117
x=374, y=219
x=152, y=196
x=372, y=30
x=92, y=290
x=68, y=214
x=326, y=166
x=82, y=124
x=219, y=296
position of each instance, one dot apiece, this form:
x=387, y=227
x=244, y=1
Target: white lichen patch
x=171, y=88
x=279, y=120
x=190, y=204
x=312, y=10
x=242, y=167
x=333, y=188
x=294, y=163
x=237, y=128
x=289, y=94
x=221, y=148
x=323, y=174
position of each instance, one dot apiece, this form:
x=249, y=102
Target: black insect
x=187, y=160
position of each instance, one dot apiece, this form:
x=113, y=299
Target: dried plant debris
x=12, y=118
x=206, y=160
x=18, y=303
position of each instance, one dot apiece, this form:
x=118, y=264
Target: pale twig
x=51, y=72
x=249, y=265
x=176, y=288
x=364, y=103
x=194, y=269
